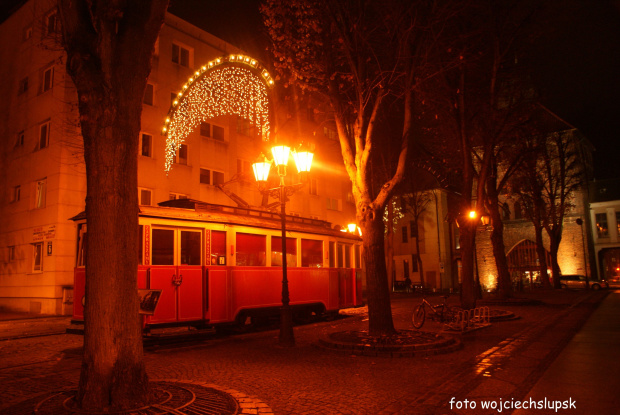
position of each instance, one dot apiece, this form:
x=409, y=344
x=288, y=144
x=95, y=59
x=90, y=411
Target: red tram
x=221, y=265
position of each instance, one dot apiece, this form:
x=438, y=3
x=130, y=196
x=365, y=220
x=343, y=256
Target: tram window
x=347, y=255
x=358, y=258
x=311, y=253
x=340, y=250
x=218, y=248
x=251, y=250
x=332, y=254
x=82, y=244
x=276, y=252
x=163, y=247
x=190, y=248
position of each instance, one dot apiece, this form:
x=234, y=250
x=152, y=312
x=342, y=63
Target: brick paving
x=504, y=360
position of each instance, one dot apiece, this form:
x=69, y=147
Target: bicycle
x=440, y=311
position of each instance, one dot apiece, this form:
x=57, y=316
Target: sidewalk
x=586, y=371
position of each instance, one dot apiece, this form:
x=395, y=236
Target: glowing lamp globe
x=261, y=171
x=280, y=155
x=352, y=227
x=303, y=160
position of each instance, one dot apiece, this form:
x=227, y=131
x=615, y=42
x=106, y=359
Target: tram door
x=177, y=271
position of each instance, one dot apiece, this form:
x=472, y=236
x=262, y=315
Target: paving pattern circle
x=170, y=397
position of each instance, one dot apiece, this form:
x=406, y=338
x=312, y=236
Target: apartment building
x=43, y=182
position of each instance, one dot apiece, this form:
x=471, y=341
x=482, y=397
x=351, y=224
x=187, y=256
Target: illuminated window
x=601, y=225
x=251, y=249
x=148, y=95
x=145, y=196
x=618, y=221
x=47, y=79
x=181, y=55
x=40, y=193
x=23, y=86
x=37, y=258
x=146, y=142
x=276, y=252
x=44, y=135
x=311, y=253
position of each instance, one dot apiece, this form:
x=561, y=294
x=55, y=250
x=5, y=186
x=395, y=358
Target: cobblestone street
x=504, y=360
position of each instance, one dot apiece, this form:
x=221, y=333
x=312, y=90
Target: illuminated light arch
x=229, y=85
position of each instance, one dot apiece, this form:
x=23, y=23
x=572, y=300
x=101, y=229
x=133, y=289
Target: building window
x=205, y=176
x=330, y=134
x=148, y=95
x=23, y=86
x=17, y=192
x=51, y=23
x=244, y=127
x=601, y=225
x=251, y=250
x=218, y=178
x=175, y=196
x=37, y=259
x=405, y=238
x=20, y=139
x=181, y=156
x=218, y=133
x=332, y=204
x=144, y=196
x=205, y=129
x=413, y=228
x=414, y=262
x=312, y=187
x=47, y=79
x=40, y=193
x=618, y=221
x=406, y=268
x=27, y=33
x=12, y=255
x=44, y=135
x=180, y=55
x=146, y=142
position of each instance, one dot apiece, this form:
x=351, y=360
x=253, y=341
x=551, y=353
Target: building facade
x=43, y=173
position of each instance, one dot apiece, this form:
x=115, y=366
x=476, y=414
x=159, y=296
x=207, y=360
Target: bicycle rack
x=471, y=319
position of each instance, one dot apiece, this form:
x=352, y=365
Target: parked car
x=579, y=281
x=614, y=282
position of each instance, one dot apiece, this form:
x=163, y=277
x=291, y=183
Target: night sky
x=577, y=65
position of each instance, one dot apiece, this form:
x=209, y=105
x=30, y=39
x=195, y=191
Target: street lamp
x=303, y=161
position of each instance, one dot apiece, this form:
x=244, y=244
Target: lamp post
x=303, y=161
x=579, y=222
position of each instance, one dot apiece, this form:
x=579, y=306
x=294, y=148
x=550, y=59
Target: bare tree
x=109, y=47
x=365, y=58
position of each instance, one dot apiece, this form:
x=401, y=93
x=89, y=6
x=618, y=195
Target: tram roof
x=195, y=210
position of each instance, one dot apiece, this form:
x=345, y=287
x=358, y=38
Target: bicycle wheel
x=418, y=316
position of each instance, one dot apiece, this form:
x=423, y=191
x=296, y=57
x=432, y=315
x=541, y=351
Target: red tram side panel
x=226, y=293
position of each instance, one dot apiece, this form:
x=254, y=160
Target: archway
x=229, y=85
x=524, y=266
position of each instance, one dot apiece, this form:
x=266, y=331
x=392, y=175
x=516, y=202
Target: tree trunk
x=555, y=238
x=542, y=257
x=419, y=259
x=504, y=285
x=113, y=355
x=468, y=284
x=379, y=305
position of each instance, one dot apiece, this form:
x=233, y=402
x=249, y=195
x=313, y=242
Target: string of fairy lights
x=225, y=86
